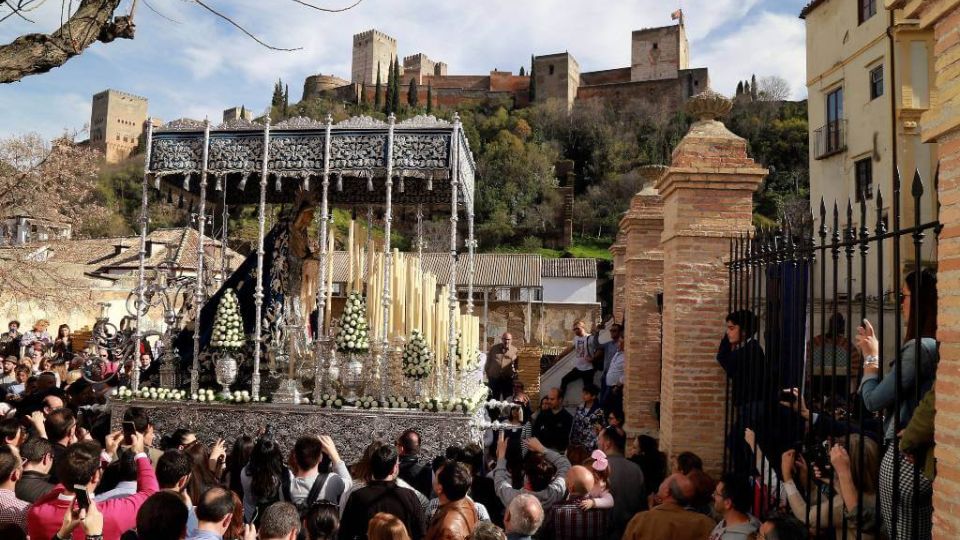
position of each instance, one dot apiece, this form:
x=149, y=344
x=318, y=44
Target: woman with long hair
x=645, y=452
x=855, y=476
x=913, y=370
x=384, y=526
x=262, y=478
x=63, y=345
x=201, y=477
x=237, y=460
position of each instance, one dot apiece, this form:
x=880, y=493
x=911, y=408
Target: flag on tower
x=677, y=15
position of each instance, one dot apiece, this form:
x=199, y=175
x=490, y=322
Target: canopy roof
x=424, y=149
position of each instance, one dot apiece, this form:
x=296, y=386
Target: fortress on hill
x=659, y=75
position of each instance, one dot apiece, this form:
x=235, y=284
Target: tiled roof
x=812, y=5
x=101, y=253
x=570, y=268
x=492, y=269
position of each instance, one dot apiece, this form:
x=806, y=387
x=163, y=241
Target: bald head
x=579, y=481
x=507, y=338
x=677, y=488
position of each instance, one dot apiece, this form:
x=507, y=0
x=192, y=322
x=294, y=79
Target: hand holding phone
x=82, y=497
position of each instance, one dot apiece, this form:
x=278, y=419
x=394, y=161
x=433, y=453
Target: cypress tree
x=533, y=80
x=396, y=86
x=277, y=98
x=388, y=98
x=378, y=93
x=522, y=72
x=286, y=98
x=746, y=88
x=739, y=88
x=429, y=97
x=753, y=87
x=413, y=97
x=243, y=112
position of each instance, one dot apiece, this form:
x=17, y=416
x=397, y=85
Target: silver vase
x=225, y=368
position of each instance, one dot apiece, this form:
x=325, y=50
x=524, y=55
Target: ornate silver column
x=199, y=293
x=320, y=351
x=324, y=215
x=135, y=375
x=454, y=186
x=258, y=291
x=223, y=237
x=387, y=263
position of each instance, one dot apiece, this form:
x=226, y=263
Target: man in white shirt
x=583, y=368
x=613, y=400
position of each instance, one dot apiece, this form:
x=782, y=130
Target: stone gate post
x=707, y=200
x=642, y=277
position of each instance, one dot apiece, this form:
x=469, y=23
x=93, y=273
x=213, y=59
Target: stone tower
x=371, y=48
x=116, y=123
x=558, y=77
x=658, y=53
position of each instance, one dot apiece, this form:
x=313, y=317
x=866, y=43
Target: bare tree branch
x=327, y=10
x=30, y=54
x=242, y=29
x=161, y=15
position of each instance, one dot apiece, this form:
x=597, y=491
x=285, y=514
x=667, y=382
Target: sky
x=189, y=63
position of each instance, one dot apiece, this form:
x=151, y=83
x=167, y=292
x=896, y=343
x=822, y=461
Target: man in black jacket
x=552, y=427
x=382, y=494
x=35, y=482
x=412, y=470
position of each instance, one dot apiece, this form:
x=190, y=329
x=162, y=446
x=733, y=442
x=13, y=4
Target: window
x=866, y=9
x=834, y=119
x=655, y=45
x=551, y=69
x=863, y=173
x=876, y=82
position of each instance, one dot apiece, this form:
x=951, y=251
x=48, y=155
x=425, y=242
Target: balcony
x=830, y=139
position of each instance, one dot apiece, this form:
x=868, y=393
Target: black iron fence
x=825, y=429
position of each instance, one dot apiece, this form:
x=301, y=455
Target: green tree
x=413, y=93
x=277, y=98
x=522, y=71
x=378, y=92
x=533, y=80
x=286, y=98
x=388, y=101
x=395, y=96
x=429, y=97
x=753, y=87
x=739, y=89
x=243, y=111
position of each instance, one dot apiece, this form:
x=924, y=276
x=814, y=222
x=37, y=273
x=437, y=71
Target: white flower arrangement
x=228, y=324
x=368, y=402
x=473, y=361
x=331, y=401
x=417, y=360
x=148, y=393
x=496, y=425
x=399, y=402
x=458, y=405
x=239, y=396
x=353, y=335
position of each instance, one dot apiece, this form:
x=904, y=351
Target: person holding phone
x=80, y=473
x=83, y=512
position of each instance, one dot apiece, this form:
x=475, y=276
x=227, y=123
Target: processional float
x=416, y=328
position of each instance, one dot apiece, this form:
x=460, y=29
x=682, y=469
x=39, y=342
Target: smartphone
x=788, y=396
x=83, y=498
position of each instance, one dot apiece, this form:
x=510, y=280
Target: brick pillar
x=707, y=200
x=618, y=250
x=642, y=227
x=941, y=124
x=528, y=360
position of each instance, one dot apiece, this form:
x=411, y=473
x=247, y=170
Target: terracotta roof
x=812, y=5
x=492, y=269
x=101, y=253
x=570, y=268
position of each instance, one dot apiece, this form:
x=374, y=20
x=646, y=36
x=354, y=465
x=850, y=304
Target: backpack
x=312, y=496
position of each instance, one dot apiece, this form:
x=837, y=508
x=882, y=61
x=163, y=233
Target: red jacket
x=119, y=515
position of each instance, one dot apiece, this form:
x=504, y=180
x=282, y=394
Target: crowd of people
x=858, y=462
x=545, y=472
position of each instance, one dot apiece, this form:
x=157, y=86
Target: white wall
x=570, y=290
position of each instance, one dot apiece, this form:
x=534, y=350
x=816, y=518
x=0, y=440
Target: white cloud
x=203, y=65
x=767, y=44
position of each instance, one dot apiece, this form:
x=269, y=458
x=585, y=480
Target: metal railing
x=794, y=300
x=830, y=139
